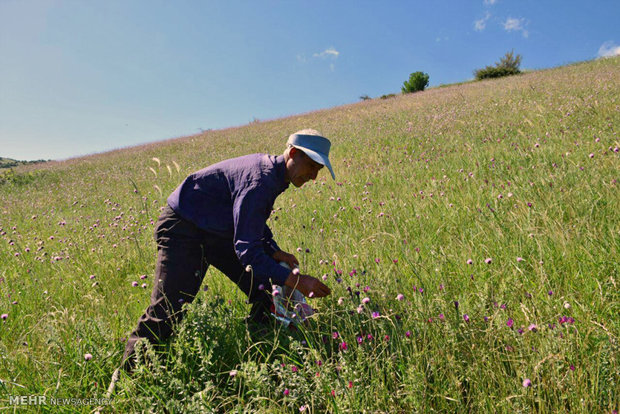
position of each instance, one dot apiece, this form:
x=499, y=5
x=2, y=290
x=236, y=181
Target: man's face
x=303, y=168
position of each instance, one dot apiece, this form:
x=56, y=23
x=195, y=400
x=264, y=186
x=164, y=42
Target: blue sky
x=79, y=77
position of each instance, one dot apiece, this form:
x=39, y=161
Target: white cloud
x=490, y=2
x=480, y=24
x=301, y=58
x=331, y=52
x=609, y=49
x=512, y=24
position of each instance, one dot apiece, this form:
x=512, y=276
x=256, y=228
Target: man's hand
x=308, y=285
x=289, y=259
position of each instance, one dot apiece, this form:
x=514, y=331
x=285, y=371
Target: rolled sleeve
x=251, y=208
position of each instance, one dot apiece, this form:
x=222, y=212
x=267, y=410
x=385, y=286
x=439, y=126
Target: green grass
x=425, y=182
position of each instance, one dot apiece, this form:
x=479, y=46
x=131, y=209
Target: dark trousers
x=184, y=253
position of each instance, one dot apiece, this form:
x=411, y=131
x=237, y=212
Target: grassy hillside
x=492, y=207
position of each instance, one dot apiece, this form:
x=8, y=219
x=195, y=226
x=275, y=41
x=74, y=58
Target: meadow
x=471, y=241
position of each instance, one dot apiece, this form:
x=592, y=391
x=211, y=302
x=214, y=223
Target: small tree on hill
x=507, y=65
x=417, y=82
x=509, y=61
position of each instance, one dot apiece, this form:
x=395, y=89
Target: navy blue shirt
x=233, y=199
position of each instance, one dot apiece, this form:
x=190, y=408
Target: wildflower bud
x=248, y=268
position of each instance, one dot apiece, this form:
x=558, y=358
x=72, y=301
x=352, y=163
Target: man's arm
x=251, y=209
x=269, y=243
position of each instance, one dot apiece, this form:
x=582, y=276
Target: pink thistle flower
x=4, y=316
x=469, y=261
x=400, y=297
x=488, y=260
x=294, y=368
x=377, y=260
x=286, y=392
x=88, y=357
x=233, y=373
x=532, y=327
x=375, y=315
x=408, y=334
x=509, y=322
x=340, y=300
x=591, y=155
x=350, y=384
x=360, y=340
x=335, y=335
x=144, y=286
x=134, y=284
x=360, y=309
x=365, y=300
x=466, y=317
x=527, y=383
x=519, y=259
x=343, y=346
